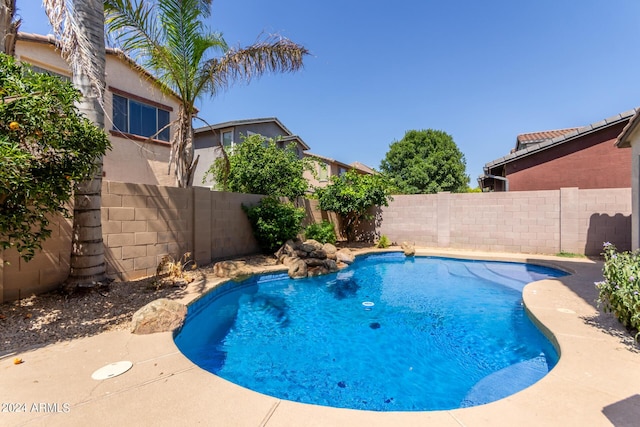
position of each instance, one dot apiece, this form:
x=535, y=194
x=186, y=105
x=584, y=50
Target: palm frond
x=273, y=54
x=75, y=47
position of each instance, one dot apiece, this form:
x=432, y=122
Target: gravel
x=54, y=317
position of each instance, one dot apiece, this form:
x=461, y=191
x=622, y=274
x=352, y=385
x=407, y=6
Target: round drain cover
x=112, y=370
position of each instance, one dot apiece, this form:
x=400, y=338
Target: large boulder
x=408, y=249
x=161, y=315
x=345, y=255
x=330, y=250
x=298, y=269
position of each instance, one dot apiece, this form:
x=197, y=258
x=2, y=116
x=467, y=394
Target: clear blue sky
x=483, y=72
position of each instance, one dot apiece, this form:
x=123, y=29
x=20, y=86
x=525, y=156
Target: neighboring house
x=630, y=138
x=135, y=105
x=579, y=157
x=324, y=168
x=209, y=139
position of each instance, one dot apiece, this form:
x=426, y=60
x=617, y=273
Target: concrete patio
x=595, y=383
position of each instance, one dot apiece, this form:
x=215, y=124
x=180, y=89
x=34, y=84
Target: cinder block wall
x=46, y=271
x=143, y=223
x=550, y=221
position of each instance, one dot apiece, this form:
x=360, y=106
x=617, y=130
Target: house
x=578, y=157
x=208, y=141
x=136, y=107
x=630, y=138
x=324, y=168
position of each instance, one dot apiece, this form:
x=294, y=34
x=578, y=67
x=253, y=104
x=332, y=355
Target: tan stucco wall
x=130, y=159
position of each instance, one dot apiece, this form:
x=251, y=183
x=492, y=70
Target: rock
x=161, y=315
x=318, y=271
x=318, y=253
x=311, y=245
x=230, y=269
x=331, y=265
x=314, y=262
x=345, y=255
x=330, y=250
x=408, y=249
x=289, y=247
x=287, y=260
x=298, y=269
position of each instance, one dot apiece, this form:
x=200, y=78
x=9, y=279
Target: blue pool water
x=433, y=333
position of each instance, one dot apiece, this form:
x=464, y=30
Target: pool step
x=483, y=271
x=506, y=381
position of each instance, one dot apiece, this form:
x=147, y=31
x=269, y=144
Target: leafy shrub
x=620, y=290
x=45, y=146
x=322, y=232
x=274, y=222
x=384, y=242
x=351, y=195
x=259, y=166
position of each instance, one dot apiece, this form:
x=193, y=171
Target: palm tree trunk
x=87, y=254
x=8, y=27
x=185, y=165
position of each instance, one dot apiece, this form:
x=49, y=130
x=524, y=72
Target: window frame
x=143, y=103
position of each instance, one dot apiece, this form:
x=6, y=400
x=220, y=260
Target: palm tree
x=8, y=26
x=170, y=38
x=79, y=30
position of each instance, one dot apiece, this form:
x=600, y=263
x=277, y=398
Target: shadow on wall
x=606, y=228
x=367, y=230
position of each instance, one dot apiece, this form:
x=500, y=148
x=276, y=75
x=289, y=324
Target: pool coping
x=594, y=383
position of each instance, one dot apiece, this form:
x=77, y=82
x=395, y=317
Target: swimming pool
x=389, y=333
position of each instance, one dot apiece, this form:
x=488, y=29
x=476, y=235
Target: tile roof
x=565, y=137
x=623, y=139
x=533, y=137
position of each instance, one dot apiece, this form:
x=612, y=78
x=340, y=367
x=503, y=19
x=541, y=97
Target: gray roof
x=580, y=132
x=289, y=135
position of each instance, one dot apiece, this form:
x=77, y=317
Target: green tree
x=352, y=195
x=45, y=145
x=426, y=161
x=258, y=166
x=170, y=38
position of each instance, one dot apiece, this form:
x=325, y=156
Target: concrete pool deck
x=595, y=383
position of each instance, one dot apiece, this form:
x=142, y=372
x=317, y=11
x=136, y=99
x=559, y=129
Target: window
x=227, y=139
x=341, y=170
x=49, y=72
x=323, y=171
x=138, y=118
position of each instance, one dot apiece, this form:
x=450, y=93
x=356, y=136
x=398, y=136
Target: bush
x=620, y=290
x=45, y=146
x=351, y=195
x=383, y=242
x=322, y=232
x=274, y=222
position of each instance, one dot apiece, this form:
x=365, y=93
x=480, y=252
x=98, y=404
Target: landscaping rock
x=330, y=250
x=161, y=315
x=231, y=269
x=408, y=249
x=345, y=255
x=298, y=269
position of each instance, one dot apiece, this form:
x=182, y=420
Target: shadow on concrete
x=624, y=413
x=583, y=285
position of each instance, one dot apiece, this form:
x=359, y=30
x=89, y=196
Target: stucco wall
x=588, y=162
x=131, y=158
